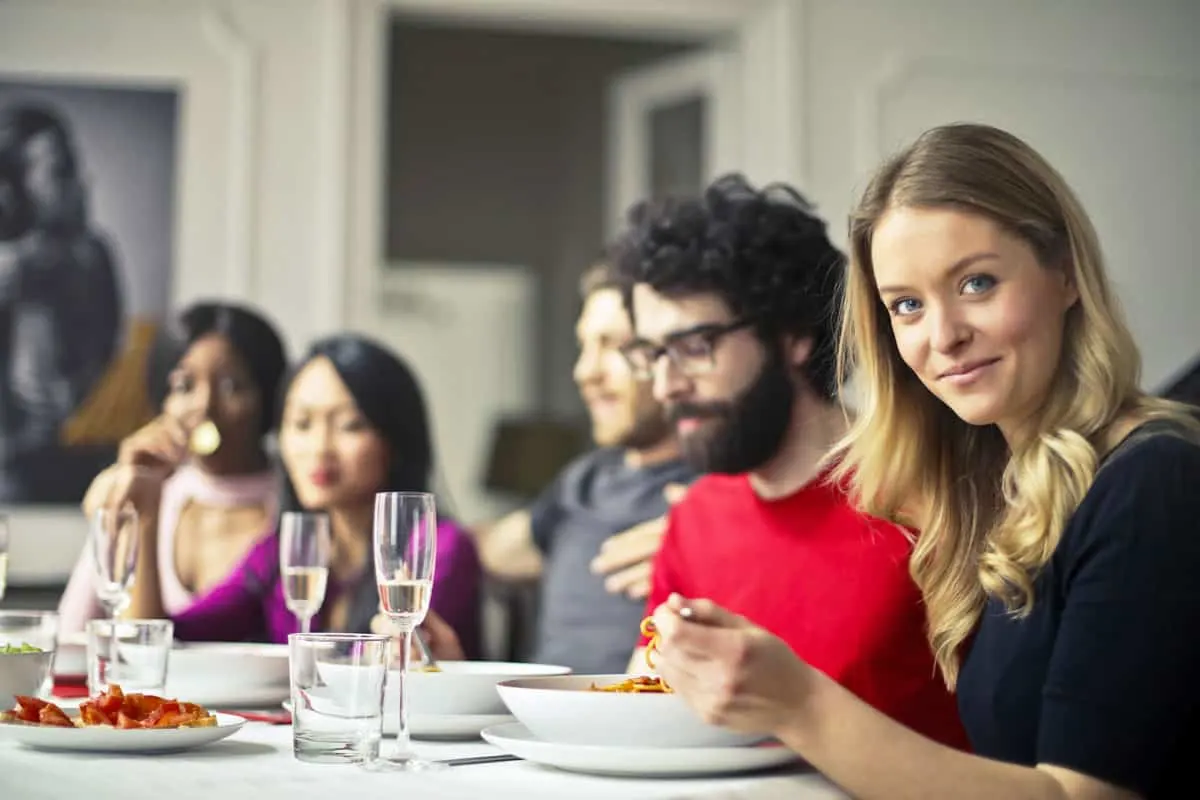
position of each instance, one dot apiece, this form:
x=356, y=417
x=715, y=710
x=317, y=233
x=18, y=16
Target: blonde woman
x=1060, y=549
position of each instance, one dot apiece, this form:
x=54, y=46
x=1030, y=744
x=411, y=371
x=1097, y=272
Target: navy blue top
x=1103, y=676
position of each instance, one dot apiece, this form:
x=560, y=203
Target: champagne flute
x=405, y=543
x=304, y=546
x=114, y=543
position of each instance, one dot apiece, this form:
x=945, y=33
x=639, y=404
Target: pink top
x=188, y=484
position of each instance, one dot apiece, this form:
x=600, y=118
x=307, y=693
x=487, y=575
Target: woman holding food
x=199, y=475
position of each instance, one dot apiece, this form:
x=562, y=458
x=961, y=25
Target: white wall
x=1109, y=91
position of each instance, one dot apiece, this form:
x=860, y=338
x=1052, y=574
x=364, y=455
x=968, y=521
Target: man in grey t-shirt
x=593, y=533
x=582, y=624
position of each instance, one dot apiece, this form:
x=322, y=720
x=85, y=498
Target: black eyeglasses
x=692, y=351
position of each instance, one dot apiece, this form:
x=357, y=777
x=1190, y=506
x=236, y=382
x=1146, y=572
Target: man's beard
x=650, y=428
x=741, y=435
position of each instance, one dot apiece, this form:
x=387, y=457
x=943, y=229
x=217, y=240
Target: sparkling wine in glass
x=405, y=542
x=304, y=547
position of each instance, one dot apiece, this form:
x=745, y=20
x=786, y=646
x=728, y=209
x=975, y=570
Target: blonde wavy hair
x=990, y=514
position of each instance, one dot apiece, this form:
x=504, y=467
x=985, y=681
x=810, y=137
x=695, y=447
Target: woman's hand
x=121, y=484
x=146, y=458
x=729, y=671
x=442, y=640
x=160, y=444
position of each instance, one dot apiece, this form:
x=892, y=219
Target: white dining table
x=257, y=763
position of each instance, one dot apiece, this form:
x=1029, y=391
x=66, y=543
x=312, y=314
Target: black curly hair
x=763, y=251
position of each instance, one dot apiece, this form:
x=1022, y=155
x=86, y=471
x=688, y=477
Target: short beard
x=744, y=433
x=649, y=430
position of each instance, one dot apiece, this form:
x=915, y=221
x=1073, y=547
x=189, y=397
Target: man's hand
x=442, y=640
x=628, y=557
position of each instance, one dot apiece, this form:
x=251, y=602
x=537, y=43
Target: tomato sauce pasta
x=641, y=684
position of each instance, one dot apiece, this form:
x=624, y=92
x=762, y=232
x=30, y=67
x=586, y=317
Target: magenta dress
x=249, y=606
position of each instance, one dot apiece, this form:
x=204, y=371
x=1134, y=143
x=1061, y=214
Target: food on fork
x=205, y=439
x=113, y=709
x=641, y=684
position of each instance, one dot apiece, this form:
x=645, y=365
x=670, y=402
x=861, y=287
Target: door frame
x=763, y=34
x=710, y=72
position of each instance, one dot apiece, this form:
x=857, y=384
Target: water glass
x=132, y=653
x=337, y=696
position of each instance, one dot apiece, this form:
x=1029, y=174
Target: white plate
x=659, y=762
x=455, y=727
x=103, y=739
x=445, y=727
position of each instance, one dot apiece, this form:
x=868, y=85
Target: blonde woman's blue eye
x=905, y=306
x=977, y=284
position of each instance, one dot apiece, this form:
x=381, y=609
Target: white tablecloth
x=256, y=763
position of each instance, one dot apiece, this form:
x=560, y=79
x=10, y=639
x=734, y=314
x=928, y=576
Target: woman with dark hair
x=353, y=424
x=217, y=366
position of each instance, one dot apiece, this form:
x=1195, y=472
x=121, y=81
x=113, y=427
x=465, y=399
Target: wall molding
x=899, y=69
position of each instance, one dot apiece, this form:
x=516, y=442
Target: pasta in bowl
x=611, y=710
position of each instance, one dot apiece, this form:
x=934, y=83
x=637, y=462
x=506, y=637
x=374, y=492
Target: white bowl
x=462, y=687
x=207, y=667
x=565, y=710
x=23, y=673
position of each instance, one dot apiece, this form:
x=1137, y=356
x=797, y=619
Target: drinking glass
x=132, y=653
x=113, y=535
x=337, y=682
x=304, y=545
x=114, y=544
x=405, y=542
x=3, y=554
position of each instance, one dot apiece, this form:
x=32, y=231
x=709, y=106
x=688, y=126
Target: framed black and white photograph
x=87, y=199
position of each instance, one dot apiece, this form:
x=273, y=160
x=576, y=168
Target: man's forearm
x=507, y=549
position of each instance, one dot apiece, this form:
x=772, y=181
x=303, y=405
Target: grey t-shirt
x=580, y=624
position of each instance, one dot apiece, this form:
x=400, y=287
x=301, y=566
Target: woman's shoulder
x=454, y=534
x=1149, y=482
x=1155, y=447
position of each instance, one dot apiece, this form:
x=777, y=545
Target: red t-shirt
x=831, y=582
